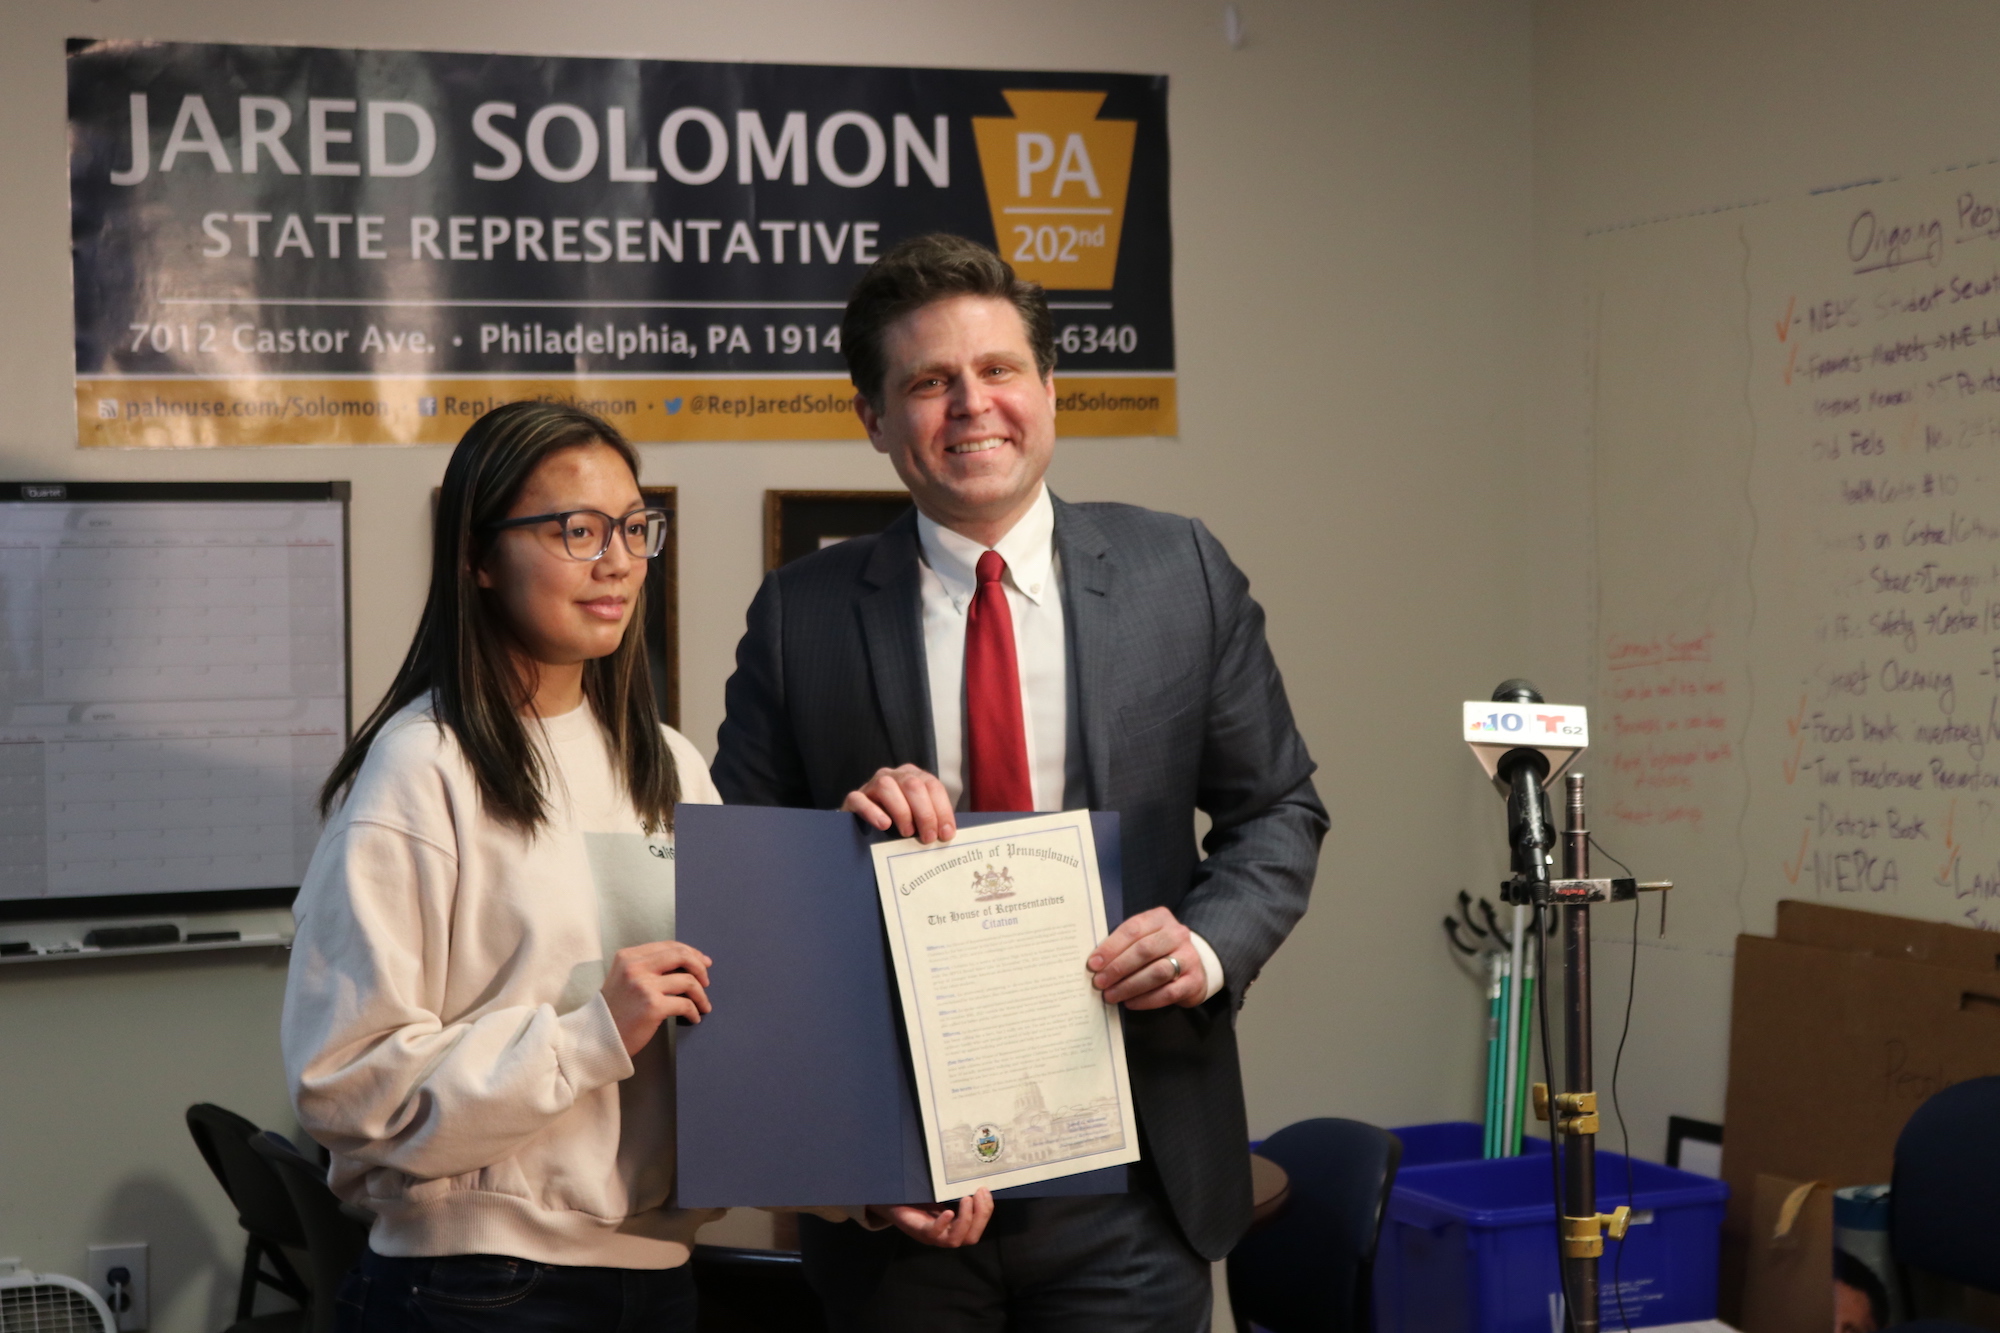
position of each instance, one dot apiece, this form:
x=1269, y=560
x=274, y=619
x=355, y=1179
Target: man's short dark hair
x=923, y=269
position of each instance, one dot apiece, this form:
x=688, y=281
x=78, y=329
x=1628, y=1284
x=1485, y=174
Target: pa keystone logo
x=1056, y=178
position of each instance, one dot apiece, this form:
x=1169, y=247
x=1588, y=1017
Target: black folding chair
x=334, y=1238
x=263, y=1209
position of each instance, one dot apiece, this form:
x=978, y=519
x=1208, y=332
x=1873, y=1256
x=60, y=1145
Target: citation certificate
x=1019, y=1062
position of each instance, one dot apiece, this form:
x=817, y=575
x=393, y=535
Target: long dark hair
x=463, y=656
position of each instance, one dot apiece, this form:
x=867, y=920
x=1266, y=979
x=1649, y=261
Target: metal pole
x=1579, y=1149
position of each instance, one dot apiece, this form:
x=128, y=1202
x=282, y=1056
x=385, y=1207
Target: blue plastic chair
x=1307, y=1270
x=1944, y=1203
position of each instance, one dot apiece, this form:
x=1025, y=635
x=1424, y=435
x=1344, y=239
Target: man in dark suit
x=1000, y=649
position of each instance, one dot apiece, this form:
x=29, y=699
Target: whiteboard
x=173, y=690
x=1796, y=463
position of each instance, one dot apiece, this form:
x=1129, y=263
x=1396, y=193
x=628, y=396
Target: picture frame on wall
x=662, y=611
x=798, y=523
x=1694, y=1145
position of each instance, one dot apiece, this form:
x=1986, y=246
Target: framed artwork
x=1694, y=1145
x=798, y=523
x=663, y=605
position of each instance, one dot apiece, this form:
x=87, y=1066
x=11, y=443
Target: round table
x=1270, y=1190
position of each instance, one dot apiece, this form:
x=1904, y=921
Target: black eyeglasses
x=586, y=533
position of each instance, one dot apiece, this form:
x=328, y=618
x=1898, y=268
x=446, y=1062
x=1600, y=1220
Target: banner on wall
x=290, y=245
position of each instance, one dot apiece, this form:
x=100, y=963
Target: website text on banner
x=291, y=245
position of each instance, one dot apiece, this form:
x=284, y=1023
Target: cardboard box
x=1831, y=1049
x=1938, y=943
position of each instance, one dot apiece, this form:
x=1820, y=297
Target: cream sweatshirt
x=443, y=1030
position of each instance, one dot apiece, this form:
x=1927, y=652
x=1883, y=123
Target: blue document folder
x=797, y=1089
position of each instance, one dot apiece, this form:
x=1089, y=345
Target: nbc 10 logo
x=1523, y=723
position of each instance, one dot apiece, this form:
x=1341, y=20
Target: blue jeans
x=481, y=1293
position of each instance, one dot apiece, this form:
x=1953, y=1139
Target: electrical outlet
x=128, y=1300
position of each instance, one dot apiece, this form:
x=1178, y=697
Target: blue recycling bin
x=1453, y=1141
x=1470, y=1246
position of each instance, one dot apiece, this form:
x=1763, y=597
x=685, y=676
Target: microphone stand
x=1572, y=1111
x=1581, y=1243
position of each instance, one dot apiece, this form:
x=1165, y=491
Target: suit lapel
x=1089, y=578
x=892, y=632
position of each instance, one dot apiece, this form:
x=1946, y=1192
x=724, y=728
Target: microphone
x=1523, y=743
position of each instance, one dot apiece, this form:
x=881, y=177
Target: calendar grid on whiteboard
x=173, y=690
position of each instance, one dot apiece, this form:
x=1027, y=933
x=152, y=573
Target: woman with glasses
x=485, y=953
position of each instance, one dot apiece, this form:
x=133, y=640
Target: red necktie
x=996, y=742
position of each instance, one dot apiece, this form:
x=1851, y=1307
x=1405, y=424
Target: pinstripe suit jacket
x=1181, y=708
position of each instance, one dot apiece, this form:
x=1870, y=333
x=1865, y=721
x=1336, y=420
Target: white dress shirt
x=1033, y=584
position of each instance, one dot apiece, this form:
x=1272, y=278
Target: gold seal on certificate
x=1020, y=1064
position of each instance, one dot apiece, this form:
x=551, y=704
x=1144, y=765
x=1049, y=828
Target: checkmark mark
x=1792, y=764
x=1785, y=324
x=1793, y=868
x=1798, y=719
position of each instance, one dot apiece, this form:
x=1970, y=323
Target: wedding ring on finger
x=1177, y=967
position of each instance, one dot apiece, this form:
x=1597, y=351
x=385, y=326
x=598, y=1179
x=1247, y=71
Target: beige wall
x=1352, y=213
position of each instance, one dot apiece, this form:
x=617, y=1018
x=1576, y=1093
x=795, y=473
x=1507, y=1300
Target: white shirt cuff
x=1211, y=966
